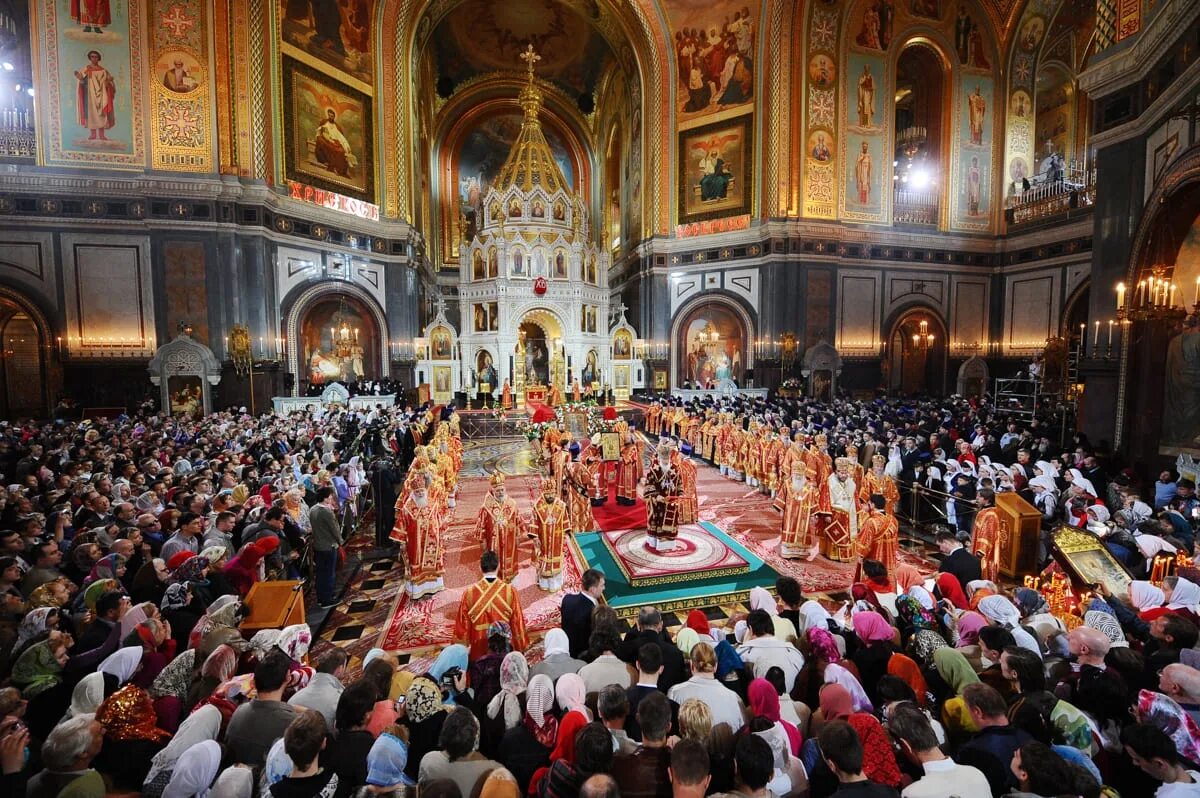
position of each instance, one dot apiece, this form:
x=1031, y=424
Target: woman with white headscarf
x=1182, y=595
x=1078, y=481
x=195, y=771
x=123, y=663
x=201, y=726
x=1044, y=499
x=1044, y=468
x=761, y=599
x=235, y=781
x=558, y=659
x=87, y=696
x=1002, y=612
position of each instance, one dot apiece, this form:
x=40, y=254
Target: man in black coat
x=577, y=610
x=650, y=630
x=957, y=560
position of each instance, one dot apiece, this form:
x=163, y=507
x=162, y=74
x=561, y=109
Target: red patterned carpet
x=742, y=512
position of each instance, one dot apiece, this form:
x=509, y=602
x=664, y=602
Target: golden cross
x=530, y=57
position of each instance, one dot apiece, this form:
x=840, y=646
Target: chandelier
x=709, y=334
x=1156, y=296
x=341, y=332
x=912, y=139
x=923, y=339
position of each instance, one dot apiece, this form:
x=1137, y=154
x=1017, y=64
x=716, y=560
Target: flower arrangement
x=791, y=384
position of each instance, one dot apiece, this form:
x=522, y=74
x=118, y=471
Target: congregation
x=130, y=544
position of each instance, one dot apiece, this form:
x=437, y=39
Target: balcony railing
x=1053, y=196
x=914, y=207
x=17, y=139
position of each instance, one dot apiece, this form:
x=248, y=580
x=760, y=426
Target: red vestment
x=879, y=540
x=484, y=603
x=499, y=527
x=985, y=542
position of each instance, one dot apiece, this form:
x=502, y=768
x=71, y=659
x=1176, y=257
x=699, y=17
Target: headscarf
x=823, y=645
x=1000, y=610
x=570, y=693
x=872, y=628
x=907, y=576
x=37, y=670
x=1161, y=711
x=1030, y=602
x=190, y=570
x=294, y=641
x=1082, y=482
x=452, y=656
x=539, y=700
x=175, y=597
x=838, y=674
x=234, y=782
x=1146, y=595
x=879, y=760
x=836, y=702
x=1184, y=596
x=907, y=669
x=954, y=669
x=913, y=614
x=130, y=620
x=214, y=554
x=264, y=640
x=105, y=568
x=764, y=702
x=698, y=622
x=203, y=725
x=564, y=744
x=500, y=783
x=87, y=695
x=514, y=677
x=686, y=640
x=969, y=624
x=814, y=616
x=1047, y=468
x=128, y=714
x=423, y=700
x=195, y=771
x=43, y=596
x=32, y=625
x=923, y=597
x=761, y=599
x=176, y=678
x=557, y=642
x=95, y=590
x=1045, y=483
x=123, y=663
x=386, y=762
x=865, y=599
x=1107, y=624
x=926, y=643
x=949, y=588
x=277, y=766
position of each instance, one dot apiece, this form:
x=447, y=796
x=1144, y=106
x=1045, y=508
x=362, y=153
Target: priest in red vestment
x=422, y=529
x=489, y=601
x=985, y=535
x=878, y=537
x=501, y=528
x=629, y=471
x=549, y=529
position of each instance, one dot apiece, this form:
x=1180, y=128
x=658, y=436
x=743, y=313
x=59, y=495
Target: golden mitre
x=497, y=480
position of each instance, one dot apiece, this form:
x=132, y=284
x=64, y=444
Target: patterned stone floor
x=358, y=622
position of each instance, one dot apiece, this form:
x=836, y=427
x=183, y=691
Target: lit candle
x=1096, y=337
x=1137, y=294
x=1196, y=297
x=1110, y=329
x=1120, y=296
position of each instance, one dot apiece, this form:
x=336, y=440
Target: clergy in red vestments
x=629, y=471
x=985, y=535
x=501, y=528
x=488, y=601
x=423, y=545
x=878, y=537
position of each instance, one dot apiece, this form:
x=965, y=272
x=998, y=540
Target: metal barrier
x=922, y=508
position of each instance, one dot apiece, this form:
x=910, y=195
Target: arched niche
x=308, y=311
x=972, y=378
x=821, y=367
x=915, y=361
x=185, y=371
x=711, y=344
x=922, y=134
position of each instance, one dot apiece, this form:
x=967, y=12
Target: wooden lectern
x=1020, y=530
x=274, y=605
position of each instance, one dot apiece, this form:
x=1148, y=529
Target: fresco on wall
x=329, y=135
x=704, y=362
x=93, y=56
x=333, y=32
x=865, y=162
x=714, y=42
x=971, y=168
x=820, y=108
x=1054, y=114
x=479, y=158
x=181, y=139
x=873, y=27
x=716, y=170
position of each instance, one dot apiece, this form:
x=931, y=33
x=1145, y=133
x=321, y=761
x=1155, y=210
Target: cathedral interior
x=917, y=197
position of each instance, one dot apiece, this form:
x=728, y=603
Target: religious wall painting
x=537, y=353
x=1055, y=113
x=493, y=263
x=95, y=81
x=929, y=9
x=333, y=32
x=714, y=42
x=866, y=94
x=443, y=383
x=822, y=71
x=873, y=28
x=329, y=141
x=971, y=167
x=476, y=163
x=339, y=341
x=964, y=26
x=716, y=168
x=1020, y=105
x=519, y=265
x=712, y=346
x=440, y=343
x=186, y=395
x=477, y=265
x=591, y=275
x=975, y=107
x=179, y=71
x=622, y=345
x=621, y=378
x=485, y=371
x=1031, y=33
x=185, y=277
x=821, y=146
x=493, y=311
x=591, y=369
x=479, y=314
x=864, y=159
x=561, y=264
x=181, y=138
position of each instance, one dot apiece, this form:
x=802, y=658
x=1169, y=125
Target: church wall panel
x=818, y=312
x=969, y=317
x=27, y=264
x=858, y=308
x=185, y=280
x=1033, y=306
x=181, y=86
x=109, y=291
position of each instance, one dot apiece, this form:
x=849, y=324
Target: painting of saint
x=862, y=175
x=926, y=8
x=1020, y=104
x=480, y=319
x=714, y=51
x=977, y=108
x=979, y=59
x=440, y=343
x=622, y=345
x=441, y=381
x=181, y=74
x=493, y=267
x=715, y=180
x=974, y=186
x=821, y=71
x=592, y=276
x=560, y=212
x=514, y=208
x=820, y=149
x=485, y=372
x=1031, y=34
x=477, y=265
x=336, y=32
x=186, y=395
x=560, y=265
x=518, y=263
x=963, y=25
x=539, y=209
x=97, y=90
x=91, y=14
x=590, y=370
x=875, y=28
x=866, y=97
x=711, y=347
x=330, y=144
x=493, y=317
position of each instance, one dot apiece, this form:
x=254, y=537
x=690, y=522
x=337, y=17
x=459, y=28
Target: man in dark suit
x=650, y=630
x=957, y=560
x=577, y=610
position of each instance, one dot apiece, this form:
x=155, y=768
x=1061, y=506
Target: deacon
x=629, y=471
x=579, y=486
x=878, y=537
x=800, y=511
x=423, y=544
x=601, y=474
x=500, y=527
x=842, y=528
x=688, y=503
x=488, y=605
x=560, y=463
x=985, y=535
x=662, y=492
x=549, y=531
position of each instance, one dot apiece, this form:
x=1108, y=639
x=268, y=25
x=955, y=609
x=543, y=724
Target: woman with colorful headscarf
x=764, y=703
x=154, y=636
x=879, y=762
x=34, y=626
x=525, y=748
x=39, y=668
x=295, y=641
x=957, y=673
x=906, y=669
x=878, y=645
x=244, y=570
x=222, y=613
x=216, y=669
x=507, y=705
x=150, y=581
x=424, y=713
x=52, y=594
x=912, y=615
x=836, y=674
x=1164, y=713
x=966, y=631
x=131, y=737
x=111, y=566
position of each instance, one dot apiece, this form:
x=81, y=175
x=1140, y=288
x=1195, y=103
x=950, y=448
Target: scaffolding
x=1017, y=396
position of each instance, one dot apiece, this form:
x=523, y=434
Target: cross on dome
x=530, y=58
